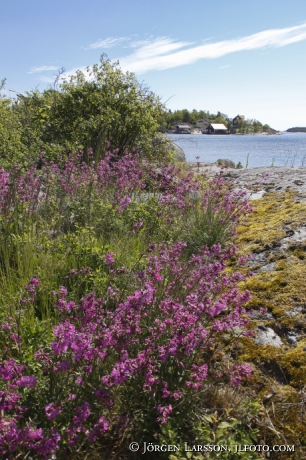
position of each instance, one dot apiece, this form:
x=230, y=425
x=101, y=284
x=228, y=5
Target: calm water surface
x=288, y=149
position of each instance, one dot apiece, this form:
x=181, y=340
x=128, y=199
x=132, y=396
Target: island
x=296, y=130
x=204, y=122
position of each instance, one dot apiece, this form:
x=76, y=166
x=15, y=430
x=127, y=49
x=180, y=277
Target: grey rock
x=289, y=231
x=258, y=259
x=268, y=268
x=300, y=198
x=179, y=153
x=256, y=195
x=301, y=309
x=280, y=178
x=294, y=311
x=266, y=336
x=225, y=162
x=297, y=236
x=292, y=338
x=262, y=316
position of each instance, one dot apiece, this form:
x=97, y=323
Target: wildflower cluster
x=31, y=291
x=104, y=352
x=141, y=348
x=126, y=189
x=13, y=431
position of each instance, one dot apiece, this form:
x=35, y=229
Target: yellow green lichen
x=280, y=372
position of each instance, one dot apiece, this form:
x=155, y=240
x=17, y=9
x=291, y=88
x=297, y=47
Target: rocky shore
x=263, y=179
x=273, y=241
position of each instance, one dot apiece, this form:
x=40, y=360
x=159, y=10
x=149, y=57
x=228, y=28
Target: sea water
x=287, y=149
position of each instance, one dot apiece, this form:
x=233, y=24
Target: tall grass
x=247, y=161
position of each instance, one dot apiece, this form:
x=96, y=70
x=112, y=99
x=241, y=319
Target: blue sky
x=234, y=56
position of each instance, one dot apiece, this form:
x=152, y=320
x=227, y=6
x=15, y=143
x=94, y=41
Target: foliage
x=184, y=116
x=218, y=436
x=81, y=112
x=11, y=145
x=107, y=106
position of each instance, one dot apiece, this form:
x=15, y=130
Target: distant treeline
x=169, y=119
x=296, y=130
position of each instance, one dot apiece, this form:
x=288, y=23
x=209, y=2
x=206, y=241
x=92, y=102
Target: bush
x=11, y=146
x=86, y=111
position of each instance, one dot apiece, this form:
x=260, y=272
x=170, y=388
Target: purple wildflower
x=27, y=381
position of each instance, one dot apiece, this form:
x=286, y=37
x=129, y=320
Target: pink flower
x=110, y=258
x=79, y=381
x=158, y=277
x=138, y=224
x=164, y=411
x=52, y=412
x=27, y=381
x=35, y=281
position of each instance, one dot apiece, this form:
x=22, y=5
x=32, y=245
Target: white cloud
x=224, y=66
x=109, y=42
x=163, y=52
x=153, y=47
x=160, y=53
x=42, y=68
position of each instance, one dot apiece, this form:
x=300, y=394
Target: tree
x=257, y=126
x=243, y=126
x=86, y=110
x=109, y=106
x=220, y=120
x=186, y=116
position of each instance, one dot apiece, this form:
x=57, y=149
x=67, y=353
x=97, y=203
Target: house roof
x=183, y=126
x=218, y=126
x=239, y=116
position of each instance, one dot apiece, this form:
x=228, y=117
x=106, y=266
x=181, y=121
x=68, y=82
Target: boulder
x=225, y=162
x=292, y=338
x=179, y=153
x=266, y=336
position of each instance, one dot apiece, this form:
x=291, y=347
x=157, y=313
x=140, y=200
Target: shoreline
x=264, y=179
x=277, y=133
x=252, y=150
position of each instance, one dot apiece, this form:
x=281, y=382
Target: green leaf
x=224, y=425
